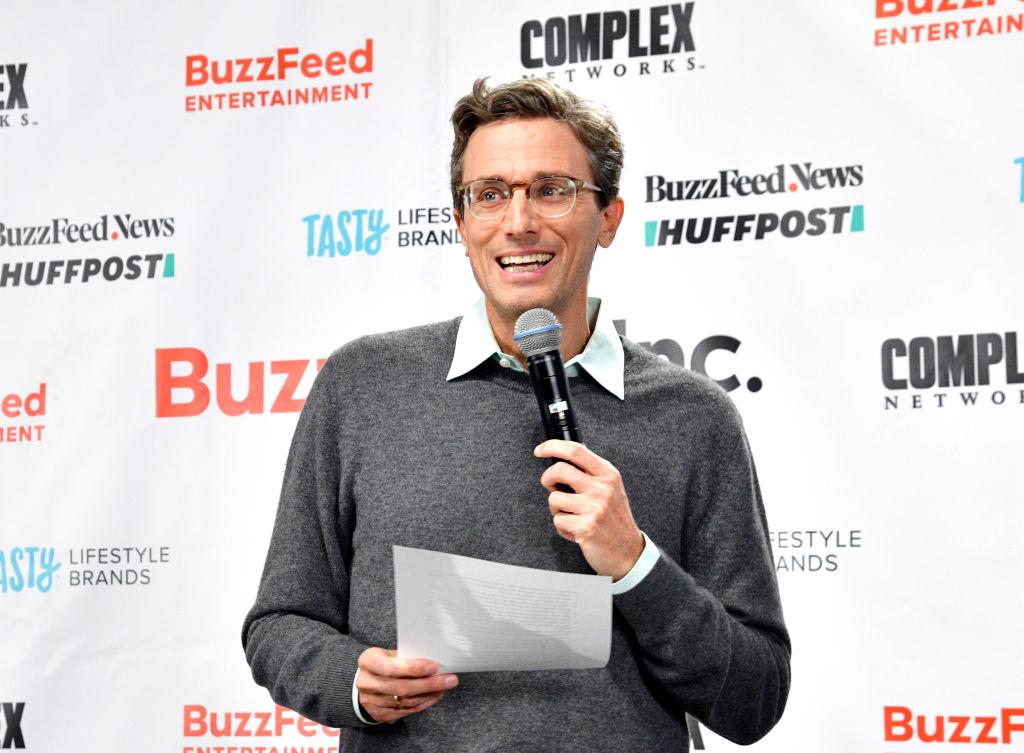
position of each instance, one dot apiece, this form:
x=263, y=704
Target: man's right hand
x=382, y=676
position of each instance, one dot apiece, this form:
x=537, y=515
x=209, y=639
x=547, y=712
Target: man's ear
x=460, y=226
x=611, y=218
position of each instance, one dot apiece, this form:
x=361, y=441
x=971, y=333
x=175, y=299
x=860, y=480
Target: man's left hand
x=597, y=516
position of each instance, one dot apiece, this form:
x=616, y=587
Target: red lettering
x=194, y=724
x=35, y=402
x=252, y=402
x=264, y=729
x=282, y=717
x=195, y=70
x=1008, y=726
x=335, y=63
x=311, y=65
x=361, y=61
x=284, y=60
x=243, y=74
x=888, y=8
x=987, y=723
x=938, y=736
x=320, y=363
x=958, y=735
x=264, y=74
x=286, y=402
x=892, y=723
x=165, y=382
x=306, y=727
x=11, y=406
x=243, y=718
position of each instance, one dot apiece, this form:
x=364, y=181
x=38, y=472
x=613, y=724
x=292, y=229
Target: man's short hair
x=540, y=98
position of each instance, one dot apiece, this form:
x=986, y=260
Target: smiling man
x=445, y=453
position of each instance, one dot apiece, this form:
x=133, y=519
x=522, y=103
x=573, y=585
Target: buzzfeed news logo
x=650, y=41
x=902, y=725
x=922, y=21
x=182, y=388
x=60, y=231
x=12, y=95
x=265, y=81
x=783, y=180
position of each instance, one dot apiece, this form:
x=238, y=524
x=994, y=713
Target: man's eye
x=489, y=195
x=551, y=189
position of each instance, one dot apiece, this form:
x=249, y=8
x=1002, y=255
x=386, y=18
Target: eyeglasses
x=550, y=196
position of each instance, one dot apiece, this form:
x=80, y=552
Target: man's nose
x=520, y=216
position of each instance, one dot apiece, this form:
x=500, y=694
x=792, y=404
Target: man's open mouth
x=525, y=263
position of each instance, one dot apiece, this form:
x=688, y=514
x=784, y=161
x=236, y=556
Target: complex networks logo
x=595, y=44
x=364, y=230
x=61, y=231
x=12, y=95
x=200, y=722
x=933, y=366
x=782, y=180
x=27, y=411
x=34, y=568
x=264, y=81
x=917, y=21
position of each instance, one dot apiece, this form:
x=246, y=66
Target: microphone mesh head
x=537, y=330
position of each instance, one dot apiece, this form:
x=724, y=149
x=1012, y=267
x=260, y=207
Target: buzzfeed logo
x=199, y=69
x=198, y=721
x=902, y=725
x=199, y=365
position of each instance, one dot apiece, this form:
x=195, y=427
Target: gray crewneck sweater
x=388, y=452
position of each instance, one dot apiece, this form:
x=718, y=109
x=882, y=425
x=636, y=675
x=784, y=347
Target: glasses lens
x=487, y=198
x=552, y=197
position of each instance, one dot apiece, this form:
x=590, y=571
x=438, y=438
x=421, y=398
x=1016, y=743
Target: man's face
x=518, y=151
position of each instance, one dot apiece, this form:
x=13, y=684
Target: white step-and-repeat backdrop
x=824, y=212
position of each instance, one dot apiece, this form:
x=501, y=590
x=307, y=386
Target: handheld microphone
x=538, y=334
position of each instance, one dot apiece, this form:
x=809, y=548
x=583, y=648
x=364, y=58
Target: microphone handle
x=547, y=372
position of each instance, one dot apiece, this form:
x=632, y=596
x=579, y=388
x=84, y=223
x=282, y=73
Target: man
x=429, y=437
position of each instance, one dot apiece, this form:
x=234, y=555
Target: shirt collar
x=602, y=358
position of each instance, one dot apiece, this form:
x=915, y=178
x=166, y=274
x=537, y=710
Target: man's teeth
x=526, y=262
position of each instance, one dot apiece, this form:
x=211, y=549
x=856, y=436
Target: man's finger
x=563, y=473
x=384, y=662
x=563, y=502
x=572, y=452
x=402, y=687
x=570, y=527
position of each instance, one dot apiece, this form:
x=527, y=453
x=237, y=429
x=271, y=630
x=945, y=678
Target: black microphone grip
x=551, y=387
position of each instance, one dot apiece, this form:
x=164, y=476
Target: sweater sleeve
x=295, y=636
x=709, y=629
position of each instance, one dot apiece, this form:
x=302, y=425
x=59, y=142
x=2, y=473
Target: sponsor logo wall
x=182, y=246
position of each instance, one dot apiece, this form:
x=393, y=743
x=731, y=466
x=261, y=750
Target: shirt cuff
x=355, y=699
x=648, y=559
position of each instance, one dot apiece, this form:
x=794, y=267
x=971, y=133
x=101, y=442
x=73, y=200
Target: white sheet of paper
x=472, y=615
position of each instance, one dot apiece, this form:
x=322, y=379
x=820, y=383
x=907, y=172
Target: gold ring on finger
x=398, y=702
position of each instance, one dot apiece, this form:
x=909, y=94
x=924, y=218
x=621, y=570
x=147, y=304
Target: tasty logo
x=347, y=231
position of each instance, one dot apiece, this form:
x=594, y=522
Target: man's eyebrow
x=533, y=177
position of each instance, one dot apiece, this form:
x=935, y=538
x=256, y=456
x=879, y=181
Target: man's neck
x=575, y=329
